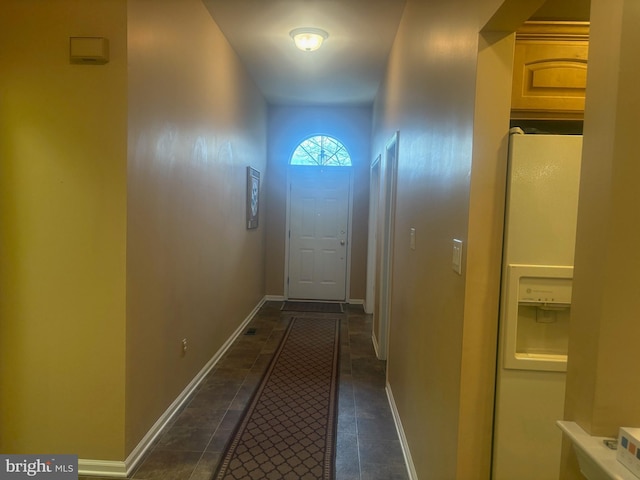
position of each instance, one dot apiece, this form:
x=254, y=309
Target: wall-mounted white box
x=628, y=452
x=89, y=50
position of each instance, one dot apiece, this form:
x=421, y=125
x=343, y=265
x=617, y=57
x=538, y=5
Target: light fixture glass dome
x=308, y=39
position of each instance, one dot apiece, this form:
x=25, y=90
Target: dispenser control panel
x=544, y=290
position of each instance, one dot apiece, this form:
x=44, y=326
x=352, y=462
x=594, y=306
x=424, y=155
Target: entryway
x=318, y=233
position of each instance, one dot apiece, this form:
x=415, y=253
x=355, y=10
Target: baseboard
x=102, y=468
x=411, y=470
x=282, y=298
x=124, y=469
x=374, y=342
x=274, y=298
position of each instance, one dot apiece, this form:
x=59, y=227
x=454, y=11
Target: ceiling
x=347, y=70
x=349, y=67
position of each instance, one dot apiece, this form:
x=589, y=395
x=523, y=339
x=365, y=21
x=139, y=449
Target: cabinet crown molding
x=553, y=31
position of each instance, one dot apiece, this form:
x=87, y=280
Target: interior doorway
x=384, y=247
x=372, y=298
x=493, y=114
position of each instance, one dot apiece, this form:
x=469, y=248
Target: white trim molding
x=102, y=468
x=372, y=240
x=374, y=342
x=282, y=298
x=411, y=469
x=115, y=469
x=275, y=298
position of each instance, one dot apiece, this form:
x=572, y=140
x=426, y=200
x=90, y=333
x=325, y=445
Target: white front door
x=318, y=233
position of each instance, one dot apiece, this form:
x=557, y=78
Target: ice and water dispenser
x=538, y=304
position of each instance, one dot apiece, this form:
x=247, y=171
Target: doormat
x=314, y=307
x=288, y=430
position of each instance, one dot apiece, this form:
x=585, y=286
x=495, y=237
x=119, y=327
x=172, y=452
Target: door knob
x=341, y=242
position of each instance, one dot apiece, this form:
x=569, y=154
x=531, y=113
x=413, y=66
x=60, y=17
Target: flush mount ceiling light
x=308, y=39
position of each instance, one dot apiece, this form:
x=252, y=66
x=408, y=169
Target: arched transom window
x=322, y=151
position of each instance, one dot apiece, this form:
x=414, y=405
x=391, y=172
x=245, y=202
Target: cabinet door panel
x=550, y=76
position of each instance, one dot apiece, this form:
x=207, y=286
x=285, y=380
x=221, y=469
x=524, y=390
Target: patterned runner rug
x=288, y=430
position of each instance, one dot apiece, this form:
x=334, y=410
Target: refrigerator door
x=541, y=215
x=542, y=199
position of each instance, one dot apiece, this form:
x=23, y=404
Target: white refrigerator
x=537, y=272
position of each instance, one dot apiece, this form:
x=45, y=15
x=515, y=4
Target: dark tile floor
x=367, y=449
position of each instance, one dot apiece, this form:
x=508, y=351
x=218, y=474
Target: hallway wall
x=122, y=218
x=431, y=73
x=193, y=269
x=63, y=147
x=429, y=97
x=288, y=126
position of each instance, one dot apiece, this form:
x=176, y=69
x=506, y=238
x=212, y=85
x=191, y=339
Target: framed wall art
x=253, y=197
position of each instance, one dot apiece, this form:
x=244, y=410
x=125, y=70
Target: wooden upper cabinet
x=550, y=70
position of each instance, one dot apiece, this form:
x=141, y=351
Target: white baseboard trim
x=282, y=298
x=102, y=468
x=123, y=469
x=411, y=469
x=374, y=342
x=274, y=298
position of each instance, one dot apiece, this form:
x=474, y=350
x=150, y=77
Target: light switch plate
x=89, y=50
x=412, y=238
x=457, y=256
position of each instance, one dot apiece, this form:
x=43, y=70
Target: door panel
x=318, y=229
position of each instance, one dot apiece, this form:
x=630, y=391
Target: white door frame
x=372, y=238
x=290, y=169
x=390, y=180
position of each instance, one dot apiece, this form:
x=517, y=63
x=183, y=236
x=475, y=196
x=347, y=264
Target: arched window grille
x=322, y=151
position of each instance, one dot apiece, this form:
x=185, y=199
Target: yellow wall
x=484, y=253
x=123, y=217
x=602, y=387
x=439, y=321
x=288, y=126
x=193, y=269
x=451, y=174
x=428, y=95
x=62, y=230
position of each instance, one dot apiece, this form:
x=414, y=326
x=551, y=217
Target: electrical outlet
x=184, y=346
